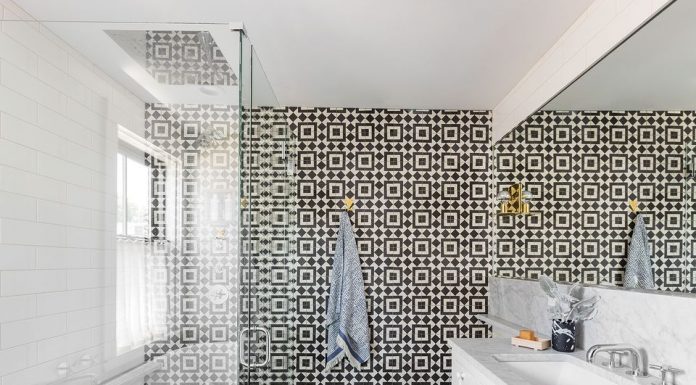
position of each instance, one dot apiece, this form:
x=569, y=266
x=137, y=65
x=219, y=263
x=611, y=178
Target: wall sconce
x=514, y=200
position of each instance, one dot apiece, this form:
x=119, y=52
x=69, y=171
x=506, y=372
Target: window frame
x=128, y=151
x=138, y=148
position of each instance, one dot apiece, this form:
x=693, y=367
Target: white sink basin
x=558, y=373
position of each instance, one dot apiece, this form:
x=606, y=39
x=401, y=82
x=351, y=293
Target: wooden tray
x=539, y=344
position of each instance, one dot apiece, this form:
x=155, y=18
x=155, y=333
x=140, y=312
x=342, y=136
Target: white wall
x=58, y=119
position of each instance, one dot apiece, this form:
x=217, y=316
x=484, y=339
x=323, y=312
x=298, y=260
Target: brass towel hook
x=633, y=203
x=349, y=202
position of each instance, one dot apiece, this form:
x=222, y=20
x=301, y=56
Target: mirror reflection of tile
x=582, y=168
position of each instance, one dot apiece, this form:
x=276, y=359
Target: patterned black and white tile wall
x=195, y=198
x=582, y=168
x=690, y=210
x=422, y=182
x=269, y=275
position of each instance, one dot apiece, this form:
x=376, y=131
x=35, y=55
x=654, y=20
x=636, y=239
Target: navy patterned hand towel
x=348, y=332
x=639, y=272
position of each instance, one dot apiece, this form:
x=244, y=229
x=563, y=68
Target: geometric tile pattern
x=186, y=57
x=199, y=248
x=582, y=167
x=422, y=219
x=689, y=224
x=267, y=290
x=422, y=184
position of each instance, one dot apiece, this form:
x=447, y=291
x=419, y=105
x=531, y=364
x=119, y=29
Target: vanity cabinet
x=465, y=371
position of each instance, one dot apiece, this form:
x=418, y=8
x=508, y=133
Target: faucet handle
x=615, y=360
x=665, y=371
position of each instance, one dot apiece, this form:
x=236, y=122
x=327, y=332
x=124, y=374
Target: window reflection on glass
x=120, y=197
x=137, y=320
x=133, y=190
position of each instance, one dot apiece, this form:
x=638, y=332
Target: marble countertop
x=490, y=355
x=662, y=326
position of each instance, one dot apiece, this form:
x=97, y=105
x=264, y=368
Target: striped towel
x=639, y=272
x=348, y=332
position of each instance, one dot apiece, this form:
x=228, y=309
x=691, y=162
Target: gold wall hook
x=349, y=202
x=633, y=204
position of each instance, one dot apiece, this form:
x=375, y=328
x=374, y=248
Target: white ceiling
x=367, y=53
x=653, y=70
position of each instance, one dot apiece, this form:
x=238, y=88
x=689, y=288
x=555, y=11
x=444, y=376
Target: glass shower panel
x=204, y=136
x=269, y=251
x=137, y=130
x=246, y=219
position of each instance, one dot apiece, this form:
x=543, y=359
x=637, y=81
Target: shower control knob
x=218, y=294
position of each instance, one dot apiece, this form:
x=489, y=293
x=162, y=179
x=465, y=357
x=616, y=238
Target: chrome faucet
x=637, y=358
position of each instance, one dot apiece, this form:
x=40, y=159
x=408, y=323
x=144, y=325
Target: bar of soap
x=527, y=335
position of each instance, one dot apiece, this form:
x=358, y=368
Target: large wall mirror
x=623, y=131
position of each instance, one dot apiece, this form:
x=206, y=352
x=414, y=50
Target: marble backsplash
x=662, y=324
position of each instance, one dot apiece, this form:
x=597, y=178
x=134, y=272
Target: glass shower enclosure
x=268, y=220
x=187, y=175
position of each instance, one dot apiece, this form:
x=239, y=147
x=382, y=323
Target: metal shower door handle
x=246, y=331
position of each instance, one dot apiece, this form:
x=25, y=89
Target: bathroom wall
x=201, y=260
x=689, y=270
x=582, y=168
x=269, y=258
x=421, y=179
x=256, y=280
x=58, y=126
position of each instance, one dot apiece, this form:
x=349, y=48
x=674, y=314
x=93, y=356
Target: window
x=146, y=178
x=133, y=178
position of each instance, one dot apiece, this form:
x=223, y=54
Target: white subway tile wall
x=58, y=121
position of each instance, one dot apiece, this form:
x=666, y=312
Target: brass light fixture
x=514, y=200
